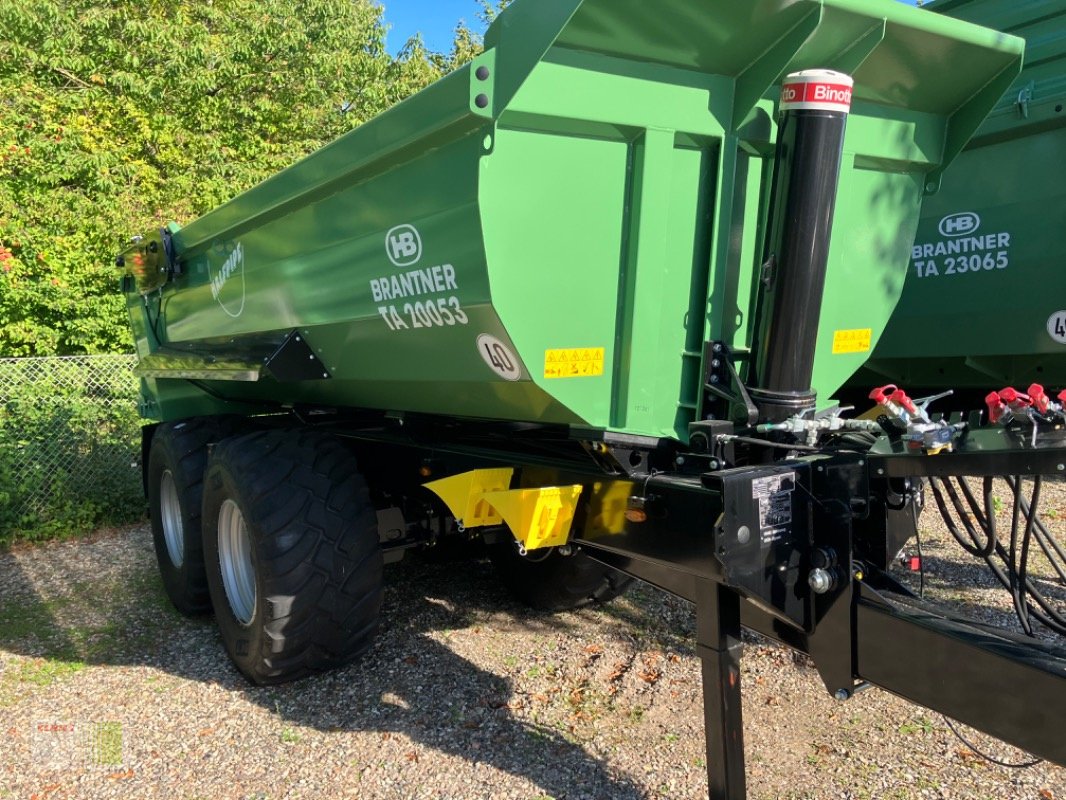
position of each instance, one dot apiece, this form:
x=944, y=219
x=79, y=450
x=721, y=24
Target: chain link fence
x=69, y=445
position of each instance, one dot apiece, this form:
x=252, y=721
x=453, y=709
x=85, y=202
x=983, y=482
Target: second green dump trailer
x=586, y=299
x=984, y=303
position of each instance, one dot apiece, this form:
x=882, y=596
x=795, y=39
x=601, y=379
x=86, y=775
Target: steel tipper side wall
x=957, y=327
x=313, y=238
x=681, y=183
x=667, y=143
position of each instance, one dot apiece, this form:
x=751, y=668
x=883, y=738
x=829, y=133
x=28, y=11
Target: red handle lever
x=1014, y=398
x=996, y=406
x=899, y=396
x=880, y=395
x=1039, y=397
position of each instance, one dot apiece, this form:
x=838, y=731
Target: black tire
x=555, y=582
x=176, y=463
x=305, y=595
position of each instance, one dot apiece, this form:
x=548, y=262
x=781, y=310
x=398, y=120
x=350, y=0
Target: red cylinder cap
x=817, y=90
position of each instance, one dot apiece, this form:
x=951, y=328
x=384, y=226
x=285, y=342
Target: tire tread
x=315, y=530
x=183, y=446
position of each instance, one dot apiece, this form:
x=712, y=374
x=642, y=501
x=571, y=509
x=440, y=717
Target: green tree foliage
x=423, y=66
x=119, y=115
x=467, y=42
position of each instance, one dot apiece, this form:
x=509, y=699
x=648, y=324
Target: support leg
x=719, y=647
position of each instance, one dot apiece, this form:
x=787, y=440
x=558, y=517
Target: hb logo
x=959, y=224
x=403, y=245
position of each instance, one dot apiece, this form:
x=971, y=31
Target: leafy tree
x=118, y=115
x=468, y=43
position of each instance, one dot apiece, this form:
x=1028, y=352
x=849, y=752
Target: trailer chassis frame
x=871, y=634
x=863, y=631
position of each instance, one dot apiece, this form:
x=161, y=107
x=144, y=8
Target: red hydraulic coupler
x=1035, y=405
x=1008, y=404
x=1041, y=402
x=896, y=402
x=1017, y=401
x=1044, y=405
x=996, y=407
x=922, y=432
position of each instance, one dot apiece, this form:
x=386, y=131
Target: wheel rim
x=170, y=512
x=235, y=559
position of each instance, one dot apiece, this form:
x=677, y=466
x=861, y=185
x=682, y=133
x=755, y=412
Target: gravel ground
x=106, y=692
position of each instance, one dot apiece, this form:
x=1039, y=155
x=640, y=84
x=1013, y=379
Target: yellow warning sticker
x=856, y=341
x=580, y=362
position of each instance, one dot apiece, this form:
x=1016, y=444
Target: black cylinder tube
x=803, y=196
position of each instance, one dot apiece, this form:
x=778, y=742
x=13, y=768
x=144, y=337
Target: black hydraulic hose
x=801, y=448
x=1047, y=541
x=986, y=519
x=1044, y=612
x=980, y=513
x=989, y=512
x=1023, y=566
x=1051, y=615
x=1048, y=545
x=862, y=439
x=979, y=551
x=1042, y=537
x=1008, y=764
x=985, y=550
x=1017, y=590
x=1046, y=615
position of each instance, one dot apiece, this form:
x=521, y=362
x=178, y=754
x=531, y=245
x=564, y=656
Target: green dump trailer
x=586, y=300
x=594, y=199
x=984, y=303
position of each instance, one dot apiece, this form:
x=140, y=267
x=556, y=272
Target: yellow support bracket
x=465, y=495
x=537, y=517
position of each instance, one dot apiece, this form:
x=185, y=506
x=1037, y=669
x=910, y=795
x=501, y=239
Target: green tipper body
x=984, y=304
x=553, y=232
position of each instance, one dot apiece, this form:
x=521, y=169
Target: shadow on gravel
x=413, y=683
x=67, y=606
